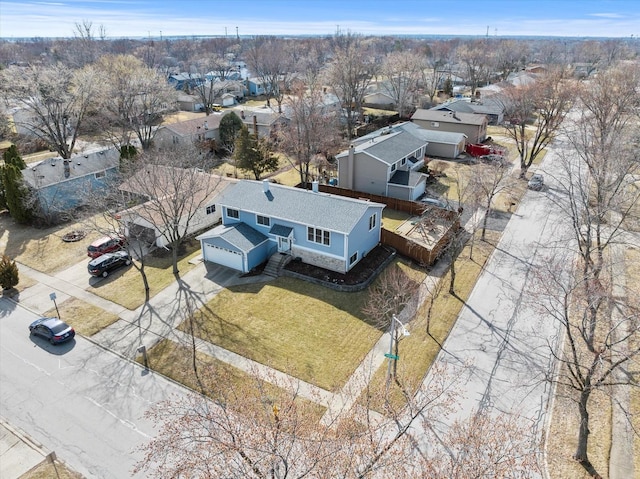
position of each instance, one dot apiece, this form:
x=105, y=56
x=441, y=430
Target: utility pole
x=237, y=34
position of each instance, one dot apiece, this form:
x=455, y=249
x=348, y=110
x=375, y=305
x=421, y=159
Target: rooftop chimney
x=314, y=186
x=265, y=186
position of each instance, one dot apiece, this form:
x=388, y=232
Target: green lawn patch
x=392, y=219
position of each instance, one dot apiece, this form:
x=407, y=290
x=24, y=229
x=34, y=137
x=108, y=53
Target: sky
x=161, y=18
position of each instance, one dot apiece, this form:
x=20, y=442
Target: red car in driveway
x=106, y=244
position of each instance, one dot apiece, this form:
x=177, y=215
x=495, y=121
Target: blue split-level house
x=260, y=219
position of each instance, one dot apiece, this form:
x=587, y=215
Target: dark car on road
x=52, y=329
x=103, y=265
x=106, y=244
x=536, y=182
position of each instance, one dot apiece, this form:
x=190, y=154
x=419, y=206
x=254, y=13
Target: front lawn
x=309, y=331
x=220, y=380
x=314, y=333
x=125, y=286
x=85, y=318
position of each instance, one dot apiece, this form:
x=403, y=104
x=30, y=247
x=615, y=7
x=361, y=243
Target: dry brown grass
x=419, y=350
x=175, y=361
x=563, y=436
x=42, y=248
x=85, y=318
x=51, y=470
x=632, y=263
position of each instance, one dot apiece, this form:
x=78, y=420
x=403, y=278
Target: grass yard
x=49, y=470
x=85, y=318
x=314, y=333
x=128, y=290
x=42, y=248
x=220, y=379
x=392, y=219
x=418, y=351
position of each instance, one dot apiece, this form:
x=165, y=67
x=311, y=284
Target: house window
x=372, y=221
x=393, y=167
x=231, y=213
x=211, y=209
x=354, y=258
x=100, y=174
x=435, y=124
x=316, y=235
x=403, y=162
x=263, y=220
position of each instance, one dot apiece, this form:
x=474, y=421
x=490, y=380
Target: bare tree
x=312, y=130
x=401, y=73
x=534, y=114
x=174, y=194
x=487, y=182
x=255, y=431
x=600, y=325
x=474, y=55
x=392, y=292
x=437, y=65
x=510, y=56
x=271, y=60
x=54, y=102
x=134, y=100
x=350, y=73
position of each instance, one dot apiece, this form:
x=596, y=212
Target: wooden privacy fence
x=404, y=245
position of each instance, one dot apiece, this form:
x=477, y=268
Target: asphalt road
x=501, y=342
x=76, y=399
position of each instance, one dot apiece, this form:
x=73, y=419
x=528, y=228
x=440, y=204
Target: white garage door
x=223, y=256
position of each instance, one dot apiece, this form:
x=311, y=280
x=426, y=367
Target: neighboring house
x=260, y=219
x=262, y=123
x=522, y=78
x=62, y=185
x=255, y=87
x=189, y=131
x=185, y=81
x=472, y=125
x=440, y=144
x=491, y=107
x=378, y=98
x=386, y=163
x=189, y=102
x=146, y=220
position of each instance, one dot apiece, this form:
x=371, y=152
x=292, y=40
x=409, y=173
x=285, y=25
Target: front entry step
x=275, y=264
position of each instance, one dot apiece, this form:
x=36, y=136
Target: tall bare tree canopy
x=53, y=100
x=599, y=318
x=534, y=114
x=313, y=130
x=133, y=100
x=350, y=73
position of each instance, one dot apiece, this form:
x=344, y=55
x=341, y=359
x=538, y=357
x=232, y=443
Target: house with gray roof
x=261, y=219
x=385, y=162
x=493, y=108
x=440, y=144
x=61, y=185
x=470, y=124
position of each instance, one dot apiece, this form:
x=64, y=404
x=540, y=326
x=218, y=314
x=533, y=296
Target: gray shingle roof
x=322, y=210
x=50, y=172
x=390, y=147
x=432, y=136
x=280, y=230
x=406, y=178
x=448, y=117
x=239, y=235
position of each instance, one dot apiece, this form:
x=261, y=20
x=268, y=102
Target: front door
x=284, y=244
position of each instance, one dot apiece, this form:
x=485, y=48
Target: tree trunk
x=583, y=434
x=453, y=276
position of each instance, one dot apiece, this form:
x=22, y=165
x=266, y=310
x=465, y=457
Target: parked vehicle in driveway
x=536, y=182
x=106, y=244
x=52, y=329
x=103, y=265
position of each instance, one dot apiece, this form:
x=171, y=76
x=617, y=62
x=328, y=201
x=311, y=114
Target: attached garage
x=223, y=256
x=236, y=246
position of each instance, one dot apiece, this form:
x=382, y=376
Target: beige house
x=189, y=131
x=472, y=125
